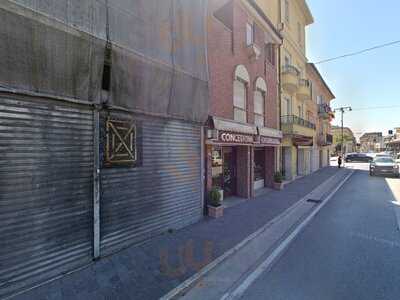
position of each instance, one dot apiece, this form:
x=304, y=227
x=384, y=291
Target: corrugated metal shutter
x=46, y=165
x=163, y=192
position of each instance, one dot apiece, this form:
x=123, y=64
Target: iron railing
x=291, y=119
x=291, y=69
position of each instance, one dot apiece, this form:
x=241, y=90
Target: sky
x=368, y=80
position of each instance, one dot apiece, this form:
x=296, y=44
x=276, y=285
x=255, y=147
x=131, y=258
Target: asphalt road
x=351, y=250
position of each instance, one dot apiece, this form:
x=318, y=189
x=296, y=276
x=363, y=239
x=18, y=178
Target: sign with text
x=269, y=141
x=235, y=138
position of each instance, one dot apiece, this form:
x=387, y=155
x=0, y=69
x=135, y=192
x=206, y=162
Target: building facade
x=101, y=127
x=322, y=97
x=298, y=112
x=242, y=135
x=349, y=140
x=372, y=142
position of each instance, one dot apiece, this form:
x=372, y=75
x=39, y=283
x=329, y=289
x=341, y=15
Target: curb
x=266, y=264
x=173, y=294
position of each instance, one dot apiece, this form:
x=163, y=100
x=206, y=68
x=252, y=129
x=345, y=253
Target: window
x=259, y=102
x=299, y=35
x=240, y=83
x=259, y=111
x=270, y=53
x=320, y=99
x=249, y=34
x=285, y=107
x=287, y=12
x=239, y=101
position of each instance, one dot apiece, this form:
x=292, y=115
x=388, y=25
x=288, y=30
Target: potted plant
x=215, y=208
x=278, y=181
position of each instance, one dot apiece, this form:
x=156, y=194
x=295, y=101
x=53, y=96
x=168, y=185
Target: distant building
x=349, y=140
x=372, y=142
x=391, y=142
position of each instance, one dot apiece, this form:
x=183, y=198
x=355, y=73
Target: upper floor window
x=320, y=99
x=259, y=102
x=270, y=53
x=241, y=81
x=287, y=11
x=299, y=34
x=249, y=34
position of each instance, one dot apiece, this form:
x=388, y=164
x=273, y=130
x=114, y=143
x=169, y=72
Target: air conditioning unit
x=254, y=51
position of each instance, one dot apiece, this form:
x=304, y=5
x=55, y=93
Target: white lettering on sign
x=270, y=141
x=236, y=138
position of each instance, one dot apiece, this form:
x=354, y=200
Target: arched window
x=259, y=102
x=240, y=83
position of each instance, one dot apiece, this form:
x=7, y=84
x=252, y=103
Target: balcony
x=304, y=90
x=294, y=125
x=325, y=140
x=325, y=112
x=290, y=79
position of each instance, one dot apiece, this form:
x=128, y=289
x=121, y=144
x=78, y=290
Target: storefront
x=239, y=159
x=304, y=148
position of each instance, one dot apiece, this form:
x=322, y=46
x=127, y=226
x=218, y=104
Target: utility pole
x=342, y=110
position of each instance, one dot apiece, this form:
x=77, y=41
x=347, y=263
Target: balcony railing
x=305, y=83
x=290, y=69
x=297, y=121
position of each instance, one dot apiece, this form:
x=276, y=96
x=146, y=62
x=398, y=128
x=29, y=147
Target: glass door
x=229, y=176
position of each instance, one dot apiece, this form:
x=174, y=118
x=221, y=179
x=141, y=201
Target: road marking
x=247, y=282
x=375, y=239
x=175, y=293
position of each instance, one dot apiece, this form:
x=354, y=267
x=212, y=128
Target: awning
x=301, y=140
x=232, y=126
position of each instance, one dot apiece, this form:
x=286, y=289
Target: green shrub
x=278, y=177
x=214, y=198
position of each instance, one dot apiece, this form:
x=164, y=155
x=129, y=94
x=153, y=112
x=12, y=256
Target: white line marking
x=239, y=291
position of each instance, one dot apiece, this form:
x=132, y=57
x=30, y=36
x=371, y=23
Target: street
x=349, y=251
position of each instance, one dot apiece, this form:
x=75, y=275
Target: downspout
x=279, y=167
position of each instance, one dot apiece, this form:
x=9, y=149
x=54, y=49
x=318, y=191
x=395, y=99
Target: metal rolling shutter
x=46, y=165
x=164, y=192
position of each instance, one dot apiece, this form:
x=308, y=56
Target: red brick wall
x=226, y=50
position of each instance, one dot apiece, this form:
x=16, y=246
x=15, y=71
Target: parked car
x=358, y=157
x=384, y=165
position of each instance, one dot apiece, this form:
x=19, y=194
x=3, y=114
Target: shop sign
x=227, y=137
x=269, y=141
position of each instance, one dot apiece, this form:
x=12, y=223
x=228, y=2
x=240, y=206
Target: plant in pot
x=278, y=181
x=215, y=208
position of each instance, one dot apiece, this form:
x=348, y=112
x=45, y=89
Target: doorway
x=229, y=173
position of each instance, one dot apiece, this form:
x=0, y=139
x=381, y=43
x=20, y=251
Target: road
x=351, y=250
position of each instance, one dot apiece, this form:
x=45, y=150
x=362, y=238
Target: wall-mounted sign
x=235, y=138
x=120, y=143
x=269, y=141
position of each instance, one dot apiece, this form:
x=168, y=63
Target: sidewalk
x=151, y=270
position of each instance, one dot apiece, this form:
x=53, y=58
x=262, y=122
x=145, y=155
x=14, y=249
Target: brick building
x=243, y=133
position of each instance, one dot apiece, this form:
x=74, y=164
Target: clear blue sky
x=369, y=80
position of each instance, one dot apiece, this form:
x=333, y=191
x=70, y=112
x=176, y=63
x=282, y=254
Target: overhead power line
x=358, y=52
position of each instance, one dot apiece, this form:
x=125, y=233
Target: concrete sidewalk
x=151, y=270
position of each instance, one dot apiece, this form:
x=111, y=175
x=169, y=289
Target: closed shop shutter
x=163, y=192
x=46, y=166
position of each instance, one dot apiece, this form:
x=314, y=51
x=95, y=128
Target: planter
x=215, y=212
x=278, y=186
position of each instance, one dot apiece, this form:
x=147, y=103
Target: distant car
x=358, y=157
x=397, y=158
x=384, y=165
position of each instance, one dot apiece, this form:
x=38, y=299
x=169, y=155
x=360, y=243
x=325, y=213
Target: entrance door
x=259, y=168
x=229, y=172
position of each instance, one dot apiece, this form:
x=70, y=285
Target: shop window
x=217, y=168
x=259, y=164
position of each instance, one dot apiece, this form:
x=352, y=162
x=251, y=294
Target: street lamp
x=342, y=110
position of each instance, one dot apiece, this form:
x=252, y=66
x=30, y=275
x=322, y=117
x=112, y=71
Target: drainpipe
x=280, y=153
